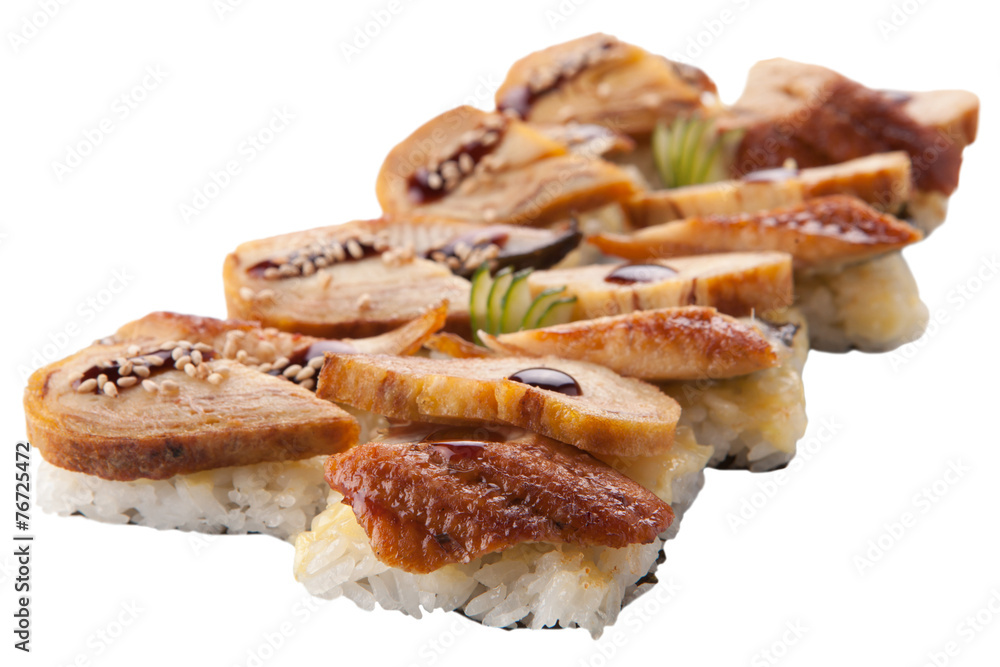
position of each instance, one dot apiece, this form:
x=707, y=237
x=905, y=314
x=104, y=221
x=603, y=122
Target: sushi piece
x=550, y=582
x=851, y=283
x=367, y=277
x=818, y=117
x=178, y=421
x=588, y=405
x=735, y=283
x=601, y=80
x=479, y=166
x=739, y=382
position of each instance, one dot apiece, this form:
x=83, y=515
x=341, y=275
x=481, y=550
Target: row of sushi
x=472, y=402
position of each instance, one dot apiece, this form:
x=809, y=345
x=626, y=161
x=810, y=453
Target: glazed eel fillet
x=480, y=512
x=369, y=276
x=178, y=421
x=851, y=281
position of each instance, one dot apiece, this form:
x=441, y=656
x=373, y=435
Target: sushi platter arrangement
x=499, y=396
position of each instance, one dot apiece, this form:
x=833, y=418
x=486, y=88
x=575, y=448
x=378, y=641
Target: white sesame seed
x=242, y=356
x=87, y=386
x=280, y=363
x=304, y=374
x=110, y=389
x=196, y=357
x=190, y=369
x=308, y=384
x=338, y=251
x=102, y=379
x=202, y=347
x=154, y=360
x=170, y=387
x=291, y=371
x=177, y=353
x=150, y=386
x=466, y=163
x=215, y=378
x=355, y=249
x=141, y=371
x=246, y=294
x=186, y=344
x=169, y=345
x=133, y=350
x=434, y=181
x=271, y=273
x=317, y=362
x=127, y=381
x=182, y=362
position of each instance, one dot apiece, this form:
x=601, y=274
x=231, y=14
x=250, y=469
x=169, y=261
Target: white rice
x=754, y=421
x=534, y=585
x=278, y=499
x=873, y=306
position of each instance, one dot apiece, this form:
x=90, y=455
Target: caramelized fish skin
x=425, y=505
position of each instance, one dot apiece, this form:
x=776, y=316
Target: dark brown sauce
x=318, y=349
x=112, y=370
x=785, y=332
x=520, y=99
x=629, y=274
x=477, y=238
x=418, y=185
x=776, y=175
x=259, y=268
x=550, y=379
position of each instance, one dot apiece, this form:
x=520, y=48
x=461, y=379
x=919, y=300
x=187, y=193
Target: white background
x=896, y=424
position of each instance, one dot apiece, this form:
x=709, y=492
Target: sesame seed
x=127, y=381
x=154, y=360
x=87, y=386
x=202, y=347
x=280, y=363
x=141, y=371
x=177, y=353
x=110, y=389
x=133, y=351
x=125, y=369
x=182, y=362
x=355, y=249
x=434, y=181
x=305, y=374
x=242, y=356
x=321, y=262
x=317, y=362
x=190, y=369
x=187, y=345
x=169, y=345
x=170, y=387
x=150, y=386
x=308, y=268
x=196, y=357
x=364, y=301
x=266, y=294
x=102, y=379
x=308, y=384
x=229, y=350
x=466, y=163
x=246, y=294
x=462, y=250
x=291, y=371
x=215, y=378
x=338, y=251
x=264, y=367
x=272, y=273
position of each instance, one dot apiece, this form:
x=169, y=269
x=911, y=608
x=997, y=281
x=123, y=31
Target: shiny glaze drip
x=520, y=99
x=428, y=185
x=460, y=449
x=776, y=175
x=549, y=379
x=629, y=274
